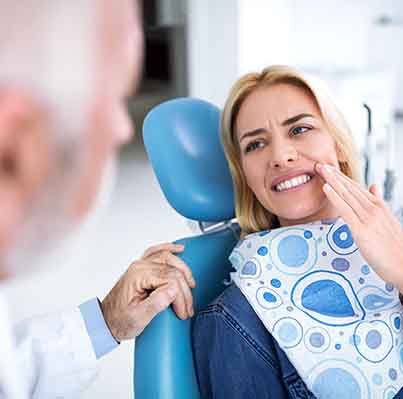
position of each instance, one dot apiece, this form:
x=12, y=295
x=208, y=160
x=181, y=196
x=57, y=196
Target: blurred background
x=199, y=48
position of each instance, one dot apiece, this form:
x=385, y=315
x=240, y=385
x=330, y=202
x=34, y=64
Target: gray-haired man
x=66, y=68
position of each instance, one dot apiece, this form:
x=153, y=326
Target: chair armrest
x=164, y=356
x=164, y=365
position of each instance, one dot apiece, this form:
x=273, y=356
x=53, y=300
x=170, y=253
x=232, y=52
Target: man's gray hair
x=47, y=49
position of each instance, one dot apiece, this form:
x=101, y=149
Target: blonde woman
x=293, y=162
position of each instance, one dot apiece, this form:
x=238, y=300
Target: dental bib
x=338, y=322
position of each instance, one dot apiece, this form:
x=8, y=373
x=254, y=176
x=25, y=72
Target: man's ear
x=24, y=159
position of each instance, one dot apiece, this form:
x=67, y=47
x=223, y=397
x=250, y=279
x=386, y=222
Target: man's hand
x=149, y=286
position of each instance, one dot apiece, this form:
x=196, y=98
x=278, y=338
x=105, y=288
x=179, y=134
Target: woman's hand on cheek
x=375, y=230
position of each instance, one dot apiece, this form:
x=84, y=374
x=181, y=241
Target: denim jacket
x=236, y=357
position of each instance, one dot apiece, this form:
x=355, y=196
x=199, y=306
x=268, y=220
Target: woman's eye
x=299, y=130
x=254, y=145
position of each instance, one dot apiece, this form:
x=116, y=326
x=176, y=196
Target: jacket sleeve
x=55, y=355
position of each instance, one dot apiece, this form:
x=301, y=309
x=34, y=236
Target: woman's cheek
x=254, y=177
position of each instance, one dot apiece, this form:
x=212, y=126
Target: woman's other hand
x=375, y=230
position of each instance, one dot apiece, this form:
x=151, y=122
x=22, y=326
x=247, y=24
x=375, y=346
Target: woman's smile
x=292, y=182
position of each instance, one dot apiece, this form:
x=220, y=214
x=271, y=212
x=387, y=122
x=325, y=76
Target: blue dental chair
x=181, y=137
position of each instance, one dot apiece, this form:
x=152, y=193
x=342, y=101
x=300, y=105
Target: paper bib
x=338, y=322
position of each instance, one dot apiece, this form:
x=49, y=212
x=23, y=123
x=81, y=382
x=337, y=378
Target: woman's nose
x=282, y=154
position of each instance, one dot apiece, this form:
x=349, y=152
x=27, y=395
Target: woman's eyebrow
x=296, y=118
x=287, y=122
x=252, y=133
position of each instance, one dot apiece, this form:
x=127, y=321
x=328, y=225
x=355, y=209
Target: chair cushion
x=182, y=141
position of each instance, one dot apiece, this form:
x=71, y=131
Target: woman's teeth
x=294, y=182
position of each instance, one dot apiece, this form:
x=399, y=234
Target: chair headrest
x=182, y=141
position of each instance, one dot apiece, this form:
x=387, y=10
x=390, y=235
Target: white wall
x=212, y=39
x=330, y=35
x=227, y=38
x=231, y=37
x=264, y=34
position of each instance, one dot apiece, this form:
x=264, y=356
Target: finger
x=351, y=200
x=346, y=212
x=369, y=195
x=392, y=217
x=175, y=248
x=187, y=294
x=373, y=189
x=178, y=263
x=363, y=196
x=155, y=275
x=155, y=303
x=167, y=258
x=180, y=303
x=368, y=198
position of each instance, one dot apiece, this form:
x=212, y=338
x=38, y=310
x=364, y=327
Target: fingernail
x=328, y=168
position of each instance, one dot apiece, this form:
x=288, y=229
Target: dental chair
x=181, y=137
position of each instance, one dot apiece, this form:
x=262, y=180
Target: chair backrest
x=182, y=141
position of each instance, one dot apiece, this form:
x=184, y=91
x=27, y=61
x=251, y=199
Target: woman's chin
x=289, y=217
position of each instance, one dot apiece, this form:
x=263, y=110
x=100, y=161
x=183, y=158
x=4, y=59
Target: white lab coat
x=45, y=357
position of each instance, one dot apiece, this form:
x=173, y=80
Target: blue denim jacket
x=236, y=357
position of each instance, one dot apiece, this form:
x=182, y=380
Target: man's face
x=108, y=124
x=40, y=199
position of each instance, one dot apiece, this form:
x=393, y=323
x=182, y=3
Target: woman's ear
x=24, y=159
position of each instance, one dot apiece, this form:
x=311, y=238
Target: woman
x=293, y=162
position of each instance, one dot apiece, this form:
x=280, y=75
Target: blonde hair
x=251, y=214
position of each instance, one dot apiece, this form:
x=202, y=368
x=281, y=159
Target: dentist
x=66, y=69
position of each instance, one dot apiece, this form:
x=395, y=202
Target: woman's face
x=282, y=136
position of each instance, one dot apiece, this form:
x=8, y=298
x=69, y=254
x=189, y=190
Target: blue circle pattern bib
x=338, y=322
